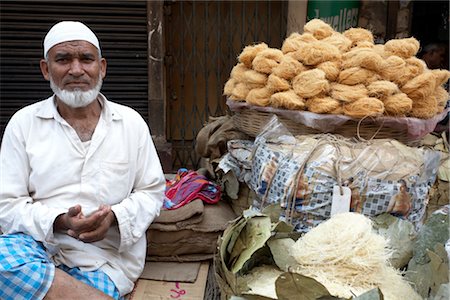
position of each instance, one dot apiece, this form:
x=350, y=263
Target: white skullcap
x=69, y=31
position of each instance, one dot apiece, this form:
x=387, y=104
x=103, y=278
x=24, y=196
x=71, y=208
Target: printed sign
x=341, y=15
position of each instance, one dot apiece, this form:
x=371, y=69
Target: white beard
x=77, y=98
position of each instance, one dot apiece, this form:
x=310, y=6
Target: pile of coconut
x=327, y=72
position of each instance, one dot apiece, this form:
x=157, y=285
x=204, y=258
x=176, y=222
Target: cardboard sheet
x=171, y=271
x=162, y=290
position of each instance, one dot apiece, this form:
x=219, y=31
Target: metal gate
x=203, y=40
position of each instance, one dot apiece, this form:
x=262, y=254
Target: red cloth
x=187, y=186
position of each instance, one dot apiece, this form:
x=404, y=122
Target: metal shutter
x=121, y=27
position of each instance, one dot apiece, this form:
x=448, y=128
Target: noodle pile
x=347, y=257
x=340, y=73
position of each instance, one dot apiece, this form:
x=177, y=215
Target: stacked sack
x=327, y=72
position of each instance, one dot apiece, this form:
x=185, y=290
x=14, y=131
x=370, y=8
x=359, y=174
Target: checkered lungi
x=26, y=271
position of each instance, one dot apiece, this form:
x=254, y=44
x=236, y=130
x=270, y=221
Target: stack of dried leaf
x=327, y=72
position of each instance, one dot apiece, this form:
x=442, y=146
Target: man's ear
x=44, y=69
x=103, y=67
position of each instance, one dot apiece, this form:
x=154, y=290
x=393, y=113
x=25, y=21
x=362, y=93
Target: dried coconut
x=404, y=48
x=288, y=68
x=331, y=69
x=348, y=258
x=421, y=86
x=253, y=77
x=364, y=58
x=314, y=53
x=413, y=68
x=277, y=84
x=356, y=75
x=288, y=99
x=240, y=91
x=382, y=88
x=379, y=49
x=310, y=83
x=339, y=110
x=441, y=96
x=318, y=28
x=266, y=60
x=393, y=67
x=441, y=75
x=348, y=93
x=358, y=34
x=295, y=41
x=364, y=44
x=397, y=105
x=229, y=86
x=418, y=63
x=238, y=71
x=364, y=107
x=322, y=105
x=260, y=97
x=249, y=53
x=424, y=108
x=339, y=41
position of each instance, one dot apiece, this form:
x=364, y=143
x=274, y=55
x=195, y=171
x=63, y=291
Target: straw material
x=358, y=34
x=314, y=53
x=398, y=105
x=266, y=60
x=331, y=69
x=405, y=48
x=260, y=97
x=382, y=88
x=348, y=93
x=249, y=53
x=420, y=87
x=339, y=41
x=289, y=67
x=318, y=28
x=356, y=75
x=364, y=107
x=310, y=83
x=322, y=105
x=277, y=84
x=288, y=100
x=252, y=122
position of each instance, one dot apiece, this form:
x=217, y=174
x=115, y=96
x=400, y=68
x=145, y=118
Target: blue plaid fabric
x=26, y=271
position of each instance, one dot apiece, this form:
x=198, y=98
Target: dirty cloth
x=211, y=141
x=194, y=241
x=191, y=213
x=187, y=186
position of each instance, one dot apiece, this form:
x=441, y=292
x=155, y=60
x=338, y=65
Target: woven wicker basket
x=252, y=122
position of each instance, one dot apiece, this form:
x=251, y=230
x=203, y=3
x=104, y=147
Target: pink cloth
x=187, y=186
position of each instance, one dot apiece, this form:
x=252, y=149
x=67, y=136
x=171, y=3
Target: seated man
x=80, y=183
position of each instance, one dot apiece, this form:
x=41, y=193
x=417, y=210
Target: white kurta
x=45, y=169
